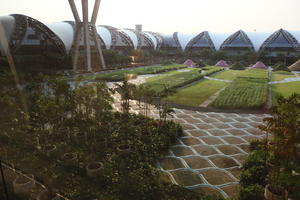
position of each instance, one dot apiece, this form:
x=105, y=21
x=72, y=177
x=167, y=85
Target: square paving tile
x=233, y=140
x=239, y=125
x=198, y=133
x=182, y=151
x=226, y=120
x=206, y=190
x=223, y=162
x=216, y=177
x=241, y=158
x=241, y=119
x=190, y=141
x=205, y=150
x=192, y=120
x=204, y=126
x=217, y=132
x=244, y=147
x=228, y=149
x=186, y=177
x=232, y=190
x=254, y=131
x=221, y=125
x=235, y=131
x=210, y=120
x=211, y=140
x=188, y=126
x=196, y=162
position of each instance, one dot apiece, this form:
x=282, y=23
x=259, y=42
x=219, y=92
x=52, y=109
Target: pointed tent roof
x=281, y=39
x=239, y=40
x=189, y=63
x=259, y=65
x=295, y=66
x=201, y=40
x=222, y=63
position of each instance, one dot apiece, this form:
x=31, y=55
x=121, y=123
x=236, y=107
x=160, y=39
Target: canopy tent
x=295, y=66
x=189, y=63
x=222, y=63
x=259, y=65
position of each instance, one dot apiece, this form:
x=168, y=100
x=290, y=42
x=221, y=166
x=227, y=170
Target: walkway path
x=211, y=98
x=216, y=79
x=286, y=80
x=209, y=156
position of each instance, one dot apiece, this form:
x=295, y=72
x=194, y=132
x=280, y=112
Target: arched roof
x=105, y=34
x=170, y=41
x=238, y=39
x=296, y=34
x=152, y=38
x=8, y=24
x=132, y=36
x=202, y=40
x=64, y=31
x=218, y=38
x=119, y=38
x=158, y=37
x=257, y=38
x=184, y=39
x=281, y=39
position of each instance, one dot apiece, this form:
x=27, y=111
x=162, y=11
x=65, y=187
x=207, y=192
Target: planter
x=100, y=144
x=70, y=159
x=123, y=149
x=46, y=195
x=23, y=185
x=94, y=169
x=271, y=196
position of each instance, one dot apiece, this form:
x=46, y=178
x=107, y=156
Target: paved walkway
x=286, y=80
x=209, y=156
x=216, y=79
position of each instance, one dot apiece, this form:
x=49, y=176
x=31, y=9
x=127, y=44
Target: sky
x=168, y=16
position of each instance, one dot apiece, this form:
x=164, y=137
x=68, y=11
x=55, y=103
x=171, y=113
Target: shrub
x=167, y=62
x=281, y=67
x=252, y=192
x=238, y=66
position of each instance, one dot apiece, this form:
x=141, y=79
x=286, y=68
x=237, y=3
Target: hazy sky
x=188, y=16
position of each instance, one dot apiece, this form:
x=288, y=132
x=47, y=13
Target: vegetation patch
x=249, y=90
x=123, y=74
x=285, y=90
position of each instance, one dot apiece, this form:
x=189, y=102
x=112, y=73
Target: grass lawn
x=178, y=79
x=285, y=89
x=121, y=74
x=281, y=75
x=249, y=90
x=197, y=93
x=228, y=74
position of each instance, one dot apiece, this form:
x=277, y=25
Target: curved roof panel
x=132, y=36
x=218, y=38
x=258, y=38
x=202, y=40
x=64, y=31
x=105, y=34
x=184, y=39
x=152, y=38
x=169, y=41
x=296, y=34
x=8, y=24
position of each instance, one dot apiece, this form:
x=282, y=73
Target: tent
x=259, y=65
x=189, y=63
x=222, y=63
x=295, y=66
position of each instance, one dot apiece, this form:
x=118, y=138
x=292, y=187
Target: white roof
x=8, y=24
x=258, y=38
x=218, y=38
x=184, y=39
x=104, y=33
x=64, y=31
x=153, y=39
x=132, y=36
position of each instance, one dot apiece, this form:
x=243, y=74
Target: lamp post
x=86, y=28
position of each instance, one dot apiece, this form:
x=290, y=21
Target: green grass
x=228, y=74
x=285, y=89
x=248, y=90
x=121, y=74
x=281, y=75
x=197, y=93
x=178, y=79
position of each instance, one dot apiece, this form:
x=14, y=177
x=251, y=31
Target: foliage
x=255, y=191
x=238, y=66
x=280, y=67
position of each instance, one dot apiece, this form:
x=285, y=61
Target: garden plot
x=285, y=89
x=249, y=90
x=281, y=75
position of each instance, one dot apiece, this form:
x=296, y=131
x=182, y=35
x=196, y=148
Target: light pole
x=86, y=28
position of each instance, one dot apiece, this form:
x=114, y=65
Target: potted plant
x=47, y=195
x=70, y=159
x=94, y=169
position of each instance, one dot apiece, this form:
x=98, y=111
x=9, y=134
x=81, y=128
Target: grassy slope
x=177, y=79
x=120, y=75
x=285, y=89
x=228, y=74
x=249, y=90
x=197, y=93
x=279, y=75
